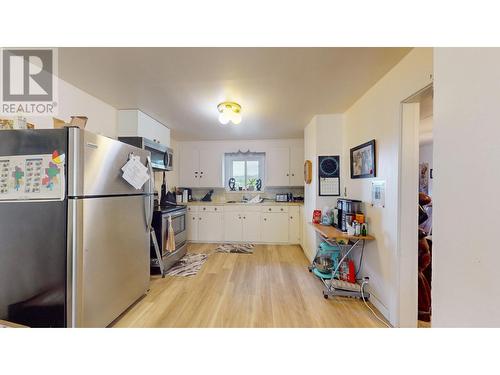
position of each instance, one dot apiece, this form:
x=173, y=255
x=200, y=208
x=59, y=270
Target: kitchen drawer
x=211, y=208
x=252, y=208
x=192, y=208
x=274, y=209
x=233, y=207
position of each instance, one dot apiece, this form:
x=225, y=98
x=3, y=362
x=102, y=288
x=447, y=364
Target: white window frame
x=229, y=158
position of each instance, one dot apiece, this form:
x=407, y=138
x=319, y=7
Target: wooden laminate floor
x=269, y=288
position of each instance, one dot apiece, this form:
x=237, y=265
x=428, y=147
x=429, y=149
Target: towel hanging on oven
x=170, y=236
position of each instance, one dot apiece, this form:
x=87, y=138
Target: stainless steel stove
x=160, y=226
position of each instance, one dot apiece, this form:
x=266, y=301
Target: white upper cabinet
x=211, y=166
x=285, y=166
x=134, y=123
x=278, y=167
x=200, y=167
x=189, y=165
x=297, y=165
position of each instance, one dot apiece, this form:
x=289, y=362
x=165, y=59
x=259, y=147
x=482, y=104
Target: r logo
x=27, y=75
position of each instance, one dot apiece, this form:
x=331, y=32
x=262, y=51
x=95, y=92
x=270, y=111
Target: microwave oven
x=162, y=157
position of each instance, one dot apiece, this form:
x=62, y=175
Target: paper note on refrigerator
x=135, y=173
x=27, y=177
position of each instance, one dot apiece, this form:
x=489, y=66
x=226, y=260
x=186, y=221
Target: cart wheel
x=365, y=299
x=310, y=269
x=325, y=296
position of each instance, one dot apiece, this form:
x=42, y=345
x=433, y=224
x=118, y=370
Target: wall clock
x=307, y=171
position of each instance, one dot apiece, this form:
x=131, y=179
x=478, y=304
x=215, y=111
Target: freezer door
x=95, y=162
x=33, y=263
x=109, y=267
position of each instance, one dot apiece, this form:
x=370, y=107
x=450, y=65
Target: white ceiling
x=279, y=89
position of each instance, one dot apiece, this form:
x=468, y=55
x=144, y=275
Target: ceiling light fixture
x=229, y=112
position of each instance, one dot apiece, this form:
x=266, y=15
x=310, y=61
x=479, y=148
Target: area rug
x=240, y=248
x=188, y=265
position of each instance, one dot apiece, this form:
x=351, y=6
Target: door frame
x=407, y=243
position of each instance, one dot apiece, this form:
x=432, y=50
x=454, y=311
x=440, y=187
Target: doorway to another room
x=425, y=208
x=415, y=210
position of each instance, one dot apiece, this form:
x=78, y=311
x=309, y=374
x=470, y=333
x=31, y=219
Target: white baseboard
x=379, y=305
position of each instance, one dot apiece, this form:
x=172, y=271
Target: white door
x=275, y=227
x=210, y=226
x=192, y=226
x=278, y=167
x=297, y=166
x=210, y=174
x=189, y=167
x=293, y=225
x=251, y=226
x=232, y=226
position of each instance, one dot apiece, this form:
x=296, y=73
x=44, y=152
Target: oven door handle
x=149, y=215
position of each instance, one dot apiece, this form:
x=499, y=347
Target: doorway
x=415, y=205
x=425, y=208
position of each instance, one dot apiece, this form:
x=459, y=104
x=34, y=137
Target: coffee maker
x=346, y=211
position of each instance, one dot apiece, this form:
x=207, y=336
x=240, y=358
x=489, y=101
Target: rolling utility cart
x=345, y=244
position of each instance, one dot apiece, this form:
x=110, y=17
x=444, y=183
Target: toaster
x=281, y=197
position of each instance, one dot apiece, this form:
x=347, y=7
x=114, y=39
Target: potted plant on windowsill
x=251, y=184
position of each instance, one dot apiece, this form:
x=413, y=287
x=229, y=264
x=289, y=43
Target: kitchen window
x=246, y=168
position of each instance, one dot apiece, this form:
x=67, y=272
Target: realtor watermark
x=28, y=81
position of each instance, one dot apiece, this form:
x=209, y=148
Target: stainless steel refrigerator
x=74, y=235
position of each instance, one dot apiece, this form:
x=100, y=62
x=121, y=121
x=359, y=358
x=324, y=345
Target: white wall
x=377, y=115
x=425, y=156
x=322, y=136
x=466, y=253
x=102, y=118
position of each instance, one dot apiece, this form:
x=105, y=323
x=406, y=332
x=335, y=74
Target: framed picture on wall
x=363, y=163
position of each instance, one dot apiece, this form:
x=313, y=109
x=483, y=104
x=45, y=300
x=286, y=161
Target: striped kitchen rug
x=240, y=248
x=188, y=265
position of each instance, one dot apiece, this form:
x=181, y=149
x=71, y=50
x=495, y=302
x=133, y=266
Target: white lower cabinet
x=294, y=225
x=235, y=223
x=192, y=226
x=210, y=226
x=274, y=227
x=233, y=226
x=251, y=227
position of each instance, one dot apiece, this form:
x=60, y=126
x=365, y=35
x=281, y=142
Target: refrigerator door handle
x=149, y=216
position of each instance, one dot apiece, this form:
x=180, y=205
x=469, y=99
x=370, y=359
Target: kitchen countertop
x=265, y=203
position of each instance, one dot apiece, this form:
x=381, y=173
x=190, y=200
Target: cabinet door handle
x=201, y=172
x=215, y=209
x=293, y=174
x=288, y=174
x=199, y=218
x=194, y=218
x=281, y=209
x=291, y=217
x=195, y=172
x=204, y=208
x=244, y=217
x=265, y=219
x=269, y=209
